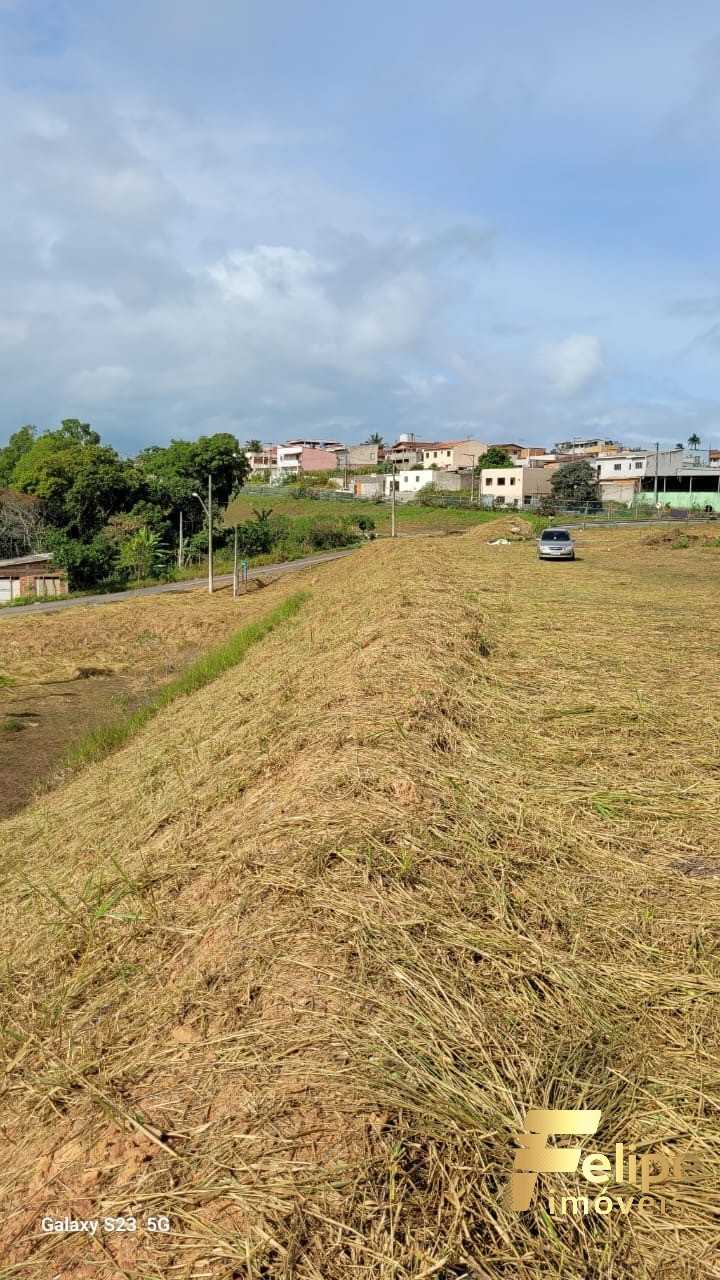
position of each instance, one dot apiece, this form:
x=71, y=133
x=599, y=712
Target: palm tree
x=253, y=446
x=694, y=440
x=375, y=438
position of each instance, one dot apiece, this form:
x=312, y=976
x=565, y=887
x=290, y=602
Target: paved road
x=191, y=584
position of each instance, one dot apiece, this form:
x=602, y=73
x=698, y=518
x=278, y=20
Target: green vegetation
x=412, y=517
x=576, y=482
x=494, y=457
x=65, y=492
x=101, y=742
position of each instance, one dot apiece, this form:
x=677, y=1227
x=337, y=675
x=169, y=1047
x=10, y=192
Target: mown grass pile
x=154, y=633
x=291, y=966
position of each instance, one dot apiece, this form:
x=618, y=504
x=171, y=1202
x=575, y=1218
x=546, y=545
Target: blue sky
x=308, y=217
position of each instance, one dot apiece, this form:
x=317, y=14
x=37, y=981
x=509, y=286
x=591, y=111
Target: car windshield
x=555, y=535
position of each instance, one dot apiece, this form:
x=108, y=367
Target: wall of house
x=318, y=460
x=31, y=584
x=683, y=501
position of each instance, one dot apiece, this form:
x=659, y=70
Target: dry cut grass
x=292, y=965
x=159, y=632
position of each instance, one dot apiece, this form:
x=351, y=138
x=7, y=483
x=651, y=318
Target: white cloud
x=570, y=367
x=287, y=305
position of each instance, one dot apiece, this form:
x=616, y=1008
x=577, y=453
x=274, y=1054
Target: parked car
x=556, y=544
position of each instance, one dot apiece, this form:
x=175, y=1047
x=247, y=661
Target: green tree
x=576, y=482
x=79, y=482
x=375, y=438
x=142, y=555
x=173, y=473
x=493, y=457
x=18, y=444
x=254, y=445
x=694, y=440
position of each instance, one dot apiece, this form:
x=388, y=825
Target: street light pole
x=208, y=512
x=392, y=502
x=657, y=468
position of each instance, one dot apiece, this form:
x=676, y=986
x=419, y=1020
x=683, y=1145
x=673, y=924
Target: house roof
x=19, y=561
x=448, y=444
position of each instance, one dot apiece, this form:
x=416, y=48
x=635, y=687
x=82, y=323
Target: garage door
x=5, y=589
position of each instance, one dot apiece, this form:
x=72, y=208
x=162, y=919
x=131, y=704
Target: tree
x=142, y=554
x=22, y=528
x=493, y=457
x=694, y=440
x=576, y=482
x=254, y=445
x=173, y=473
x=79, y=482
x=375, y=438
x=19, y=443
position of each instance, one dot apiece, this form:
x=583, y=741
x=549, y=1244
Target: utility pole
x=235, y=565
x=345, y=480
x=392, y=502
x=210, y=545
x=180, y=545
x=657, y=468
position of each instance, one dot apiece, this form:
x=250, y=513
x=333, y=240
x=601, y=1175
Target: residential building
x=297, y=456
x=369, y=486
x=684, y=479
x=621, y=474
x=407, y=482
x=589, y=446
x=358, y=455
x=407, y=451
x=516, y=486
x=520, y=452
x=449, y=455
x=264, y=460
x=31, y=575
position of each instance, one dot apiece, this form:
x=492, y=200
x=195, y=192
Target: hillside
x=291, y=966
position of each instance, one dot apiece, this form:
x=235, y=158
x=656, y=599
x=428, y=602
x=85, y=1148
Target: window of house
x=512, y=479
x=434, y=456
x=447, y=453
x=488, y=479
x=638, y=466
x=501, y=479
x=617, y=466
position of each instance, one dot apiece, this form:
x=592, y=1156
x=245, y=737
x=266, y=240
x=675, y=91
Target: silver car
x=556, y=544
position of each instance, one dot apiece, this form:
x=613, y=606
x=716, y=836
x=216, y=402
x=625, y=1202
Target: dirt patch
x=38, y=722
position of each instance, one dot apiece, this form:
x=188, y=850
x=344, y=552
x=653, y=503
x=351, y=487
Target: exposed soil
x=39, y=722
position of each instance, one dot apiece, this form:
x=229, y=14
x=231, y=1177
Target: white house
x=407, y=483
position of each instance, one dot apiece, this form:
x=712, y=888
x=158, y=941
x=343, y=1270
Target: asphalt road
x=286, y=566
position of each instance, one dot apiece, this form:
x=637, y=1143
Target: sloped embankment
x=291, y=966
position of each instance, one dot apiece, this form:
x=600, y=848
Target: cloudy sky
x=303, y=216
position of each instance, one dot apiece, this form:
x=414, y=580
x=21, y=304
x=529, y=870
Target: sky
x=304, y=217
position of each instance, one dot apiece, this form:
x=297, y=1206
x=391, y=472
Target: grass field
x=291, y=965
x=410, y=517
x=81, y=671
